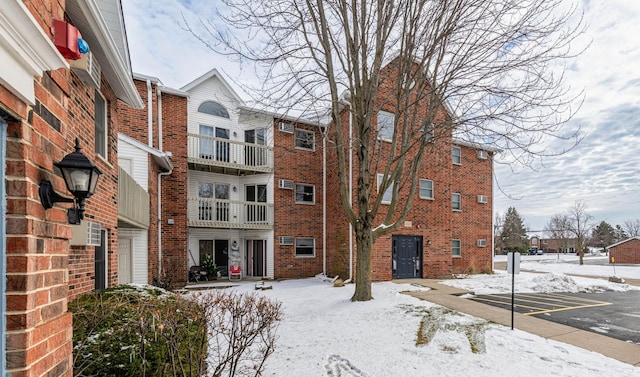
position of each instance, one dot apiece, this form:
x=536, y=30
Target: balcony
x=217, y=155
x=133, y=202
x=230, y=214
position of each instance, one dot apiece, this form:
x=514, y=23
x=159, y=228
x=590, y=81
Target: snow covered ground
x=323, y=333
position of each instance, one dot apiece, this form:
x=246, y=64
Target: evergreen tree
x=514, y=235
x=603, y=235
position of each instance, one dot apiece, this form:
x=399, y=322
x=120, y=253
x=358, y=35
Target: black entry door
x=407, y=257
x=222, y=256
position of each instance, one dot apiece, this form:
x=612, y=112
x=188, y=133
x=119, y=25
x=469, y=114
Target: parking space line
x=558, y=302
x=568, y=308
x=506, y=303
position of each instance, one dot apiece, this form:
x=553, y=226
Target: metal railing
x=215, y=151
x=222, y=213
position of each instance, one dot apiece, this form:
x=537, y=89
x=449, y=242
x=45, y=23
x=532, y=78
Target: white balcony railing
x=224, y=153
x=221, y=213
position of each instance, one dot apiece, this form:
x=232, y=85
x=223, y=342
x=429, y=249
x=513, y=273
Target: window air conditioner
x=285, y=184
x=285, y=240
x=87, y=69
x=86, y=234
x=286, y=127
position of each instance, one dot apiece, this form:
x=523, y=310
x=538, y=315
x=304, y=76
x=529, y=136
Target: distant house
x=558, y=245
x=627, y=251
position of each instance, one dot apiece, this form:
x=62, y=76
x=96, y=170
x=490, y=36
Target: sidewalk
x=449, y=297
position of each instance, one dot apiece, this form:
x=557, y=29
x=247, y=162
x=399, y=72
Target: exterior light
x=81, y=177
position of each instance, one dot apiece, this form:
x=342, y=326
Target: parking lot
x=614, y=314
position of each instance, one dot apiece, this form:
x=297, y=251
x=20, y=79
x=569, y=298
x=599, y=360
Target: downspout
x=149, y=114
x=324, y=203
x=493, y=229
x=160, y=220
x=160, y=175
x=159, y=93
x=350, y=193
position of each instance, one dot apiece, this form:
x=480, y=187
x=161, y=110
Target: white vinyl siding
x=139, y=253
x=139, y=163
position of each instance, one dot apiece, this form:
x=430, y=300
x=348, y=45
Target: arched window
x=213, y=108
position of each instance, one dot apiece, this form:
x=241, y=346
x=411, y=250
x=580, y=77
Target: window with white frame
x=100, y=123
x=304, y=139
x=426, y=189
x=456, y=201
x=388, y=194
x=305, y=247
x=305, y=194
x=456, y=248
x=456, y=155
x=386, y=122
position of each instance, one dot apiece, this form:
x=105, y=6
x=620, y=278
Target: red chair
x=235, y=271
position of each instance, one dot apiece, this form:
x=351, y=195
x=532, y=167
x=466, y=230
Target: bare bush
x=242, y=331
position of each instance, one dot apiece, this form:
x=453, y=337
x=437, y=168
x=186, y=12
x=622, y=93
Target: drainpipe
x=324, y=203
x=160, y=175
x=493, y=229
x=350, y=192
x=149, y=114
x=159, y=92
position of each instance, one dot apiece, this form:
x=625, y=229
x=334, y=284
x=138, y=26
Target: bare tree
x=632, y=227
x=558, y=228
x=498, y=224
x=495, y=65
x=580, y=224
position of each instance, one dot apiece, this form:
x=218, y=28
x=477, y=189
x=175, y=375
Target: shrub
x=132, y=331
x=128, y=331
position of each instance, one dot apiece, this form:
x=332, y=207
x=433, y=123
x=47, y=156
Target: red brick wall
x=433, y=220
x=38, y=324
x=471, y=178
x=292, y=219
x=174, y=189
x=102, y=207
x=43, y=271
x=626, y=253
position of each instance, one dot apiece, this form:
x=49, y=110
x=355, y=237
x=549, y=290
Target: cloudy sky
x=603, y=170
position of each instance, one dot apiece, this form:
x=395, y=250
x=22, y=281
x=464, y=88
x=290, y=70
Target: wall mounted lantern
x=81, y=177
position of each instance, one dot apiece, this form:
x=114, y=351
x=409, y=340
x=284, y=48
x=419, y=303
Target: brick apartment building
x=51, y=95
x=247, y=188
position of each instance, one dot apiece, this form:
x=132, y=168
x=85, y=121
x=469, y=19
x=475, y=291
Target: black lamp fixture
x=81, y=177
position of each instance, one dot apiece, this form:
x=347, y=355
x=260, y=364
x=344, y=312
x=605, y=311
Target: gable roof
x=102, y=26
x=621, y=242
x=211, y=74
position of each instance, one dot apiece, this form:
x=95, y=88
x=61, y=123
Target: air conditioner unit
x=482, y=243
x=285, y=240
x=285, y=184
x=86, y=234
x=286, y=127
x=87, y=69
x=483, y=155
x=482, y=199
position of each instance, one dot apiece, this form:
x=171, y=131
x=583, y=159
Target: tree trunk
x=363, y=266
